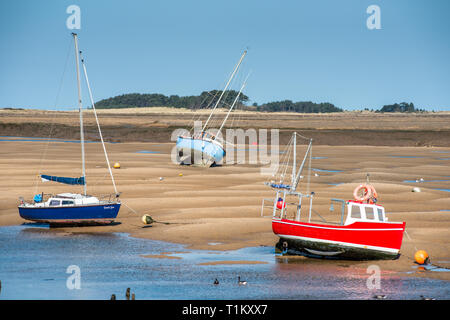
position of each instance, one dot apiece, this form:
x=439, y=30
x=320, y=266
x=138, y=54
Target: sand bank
x=219, y=208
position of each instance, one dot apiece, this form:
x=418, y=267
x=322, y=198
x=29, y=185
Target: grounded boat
x=363, y=233
x=73, y=208
x=205, y=148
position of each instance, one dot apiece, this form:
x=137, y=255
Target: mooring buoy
x=421, y=257
x=146, y=219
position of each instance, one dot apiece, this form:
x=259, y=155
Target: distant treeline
x=209, y=98
x=400, y=107
x=204, y=100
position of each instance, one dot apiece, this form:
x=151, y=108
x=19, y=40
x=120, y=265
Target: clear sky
x=320, y=51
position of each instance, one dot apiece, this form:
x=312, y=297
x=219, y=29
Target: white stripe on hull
x=347, y=244
x=334, y=228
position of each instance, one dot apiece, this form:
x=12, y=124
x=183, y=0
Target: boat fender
x=281, y=204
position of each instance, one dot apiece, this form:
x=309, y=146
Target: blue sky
x=319, y=51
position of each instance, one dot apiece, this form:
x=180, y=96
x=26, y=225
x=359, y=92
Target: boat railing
x=342, y=202
x=109, y=198
x=265, y=206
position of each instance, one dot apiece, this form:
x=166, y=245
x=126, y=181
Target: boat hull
x=199, y=152
x=72, y=215
x=356, y=241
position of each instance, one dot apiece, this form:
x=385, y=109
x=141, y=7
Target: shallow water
x=406, y=157
x=38, y=139
x=325, y=170
x=147, y=151
x=34, y=260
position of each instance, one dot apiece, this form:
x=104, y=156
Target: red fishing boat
x=363, y=232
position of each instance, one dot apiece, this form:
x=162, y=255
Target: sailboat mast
x=234, y=102
x=226, y=87
x=80, y=108
x=294, y=160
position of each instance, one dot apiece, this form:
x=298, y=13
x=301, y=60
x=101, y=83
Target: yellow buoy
x=421, y=257
x=116, y=165
x=180, y=174
x=146, y=219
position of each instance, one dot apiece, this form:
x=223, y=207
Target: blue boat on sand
x=205, y=148
x=73, y=208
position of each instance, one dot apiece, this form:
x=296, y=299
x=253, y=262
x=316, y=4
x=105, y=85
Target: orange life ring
x=367, y=192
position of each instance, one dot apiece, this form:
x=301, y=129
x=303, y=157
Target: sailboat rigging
x=73, y=208
x=205, y=148
x=364, y=233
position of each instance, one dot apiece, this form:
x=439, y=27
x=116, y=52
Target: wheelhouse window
x=380, y=214
x=356, y=212
x=369, y=213
x=54, y=203
x=67, y=202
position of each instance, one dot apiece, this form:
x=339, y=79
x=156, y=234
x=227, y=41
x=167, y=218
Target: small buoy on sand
x=116, y=165
x=161, y=178
x=416, y=189
x=146, y=219
x=180, y=174
x=421, y=257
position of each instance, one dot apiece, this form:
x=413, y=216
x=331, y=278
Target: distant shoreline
x=156, y=124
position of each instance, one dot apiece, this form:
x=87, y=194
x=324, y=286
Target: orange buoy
x=421, y=257
x=116, y=165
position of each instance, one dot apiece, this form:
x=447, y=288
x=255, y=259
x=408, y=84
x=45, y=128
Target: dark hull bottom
x=331, y=251
x=80, y=223
x=72, y=216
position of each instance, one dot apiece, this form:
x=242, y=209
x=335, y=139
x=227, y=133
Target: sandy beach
x=220, y=208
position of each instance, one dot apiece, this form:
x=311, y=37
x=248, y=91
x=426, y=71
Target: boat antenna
x=297, y=179
x=226, y=87
x=294, y=159
x=98, y=124
x=80, y=107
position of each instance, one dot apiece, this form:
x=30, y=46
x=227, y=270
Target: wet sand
x=220, y=208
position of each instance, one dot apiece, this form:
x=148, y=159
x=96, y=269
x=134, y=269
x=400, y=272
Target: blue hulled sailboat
x=74, y=208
